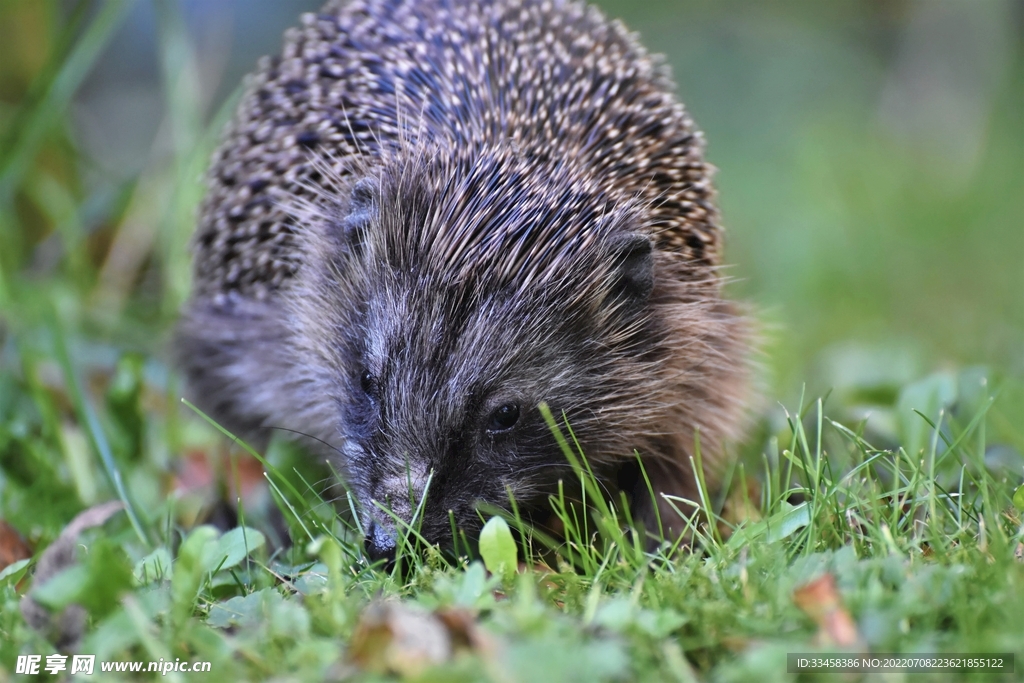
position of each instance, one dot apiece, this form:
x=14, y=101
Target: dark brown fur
x=425, y=211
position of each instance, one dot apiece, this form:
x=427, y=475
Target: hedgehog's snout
x=393, y=504
x=397, y=496
x=380, y=544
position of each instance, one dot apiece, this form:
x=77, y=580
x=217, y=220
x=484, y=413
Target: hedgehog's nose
x=380, y=545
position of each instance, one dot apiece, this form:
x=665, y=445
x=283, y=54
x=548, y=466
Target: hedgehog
x=430, y=218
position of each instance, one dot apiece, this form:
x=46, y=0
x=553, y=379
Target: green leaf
x=783, y=524
x=153, y=567
x=97, y=583
x=283, y=618
x=615, y=614
x=1018, y=497
x=244, y=610
x=620, y=614
x=12, y=573
x=233, y=547
x=661, y=623
x=195, y=554
x=63, y=589
x=474, y=586
x=113, y=635
x=118, y=632
x=498, y=548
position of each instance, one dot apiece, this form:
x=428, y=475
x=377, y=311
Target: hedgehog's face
x=443, y=367
x=441, y=412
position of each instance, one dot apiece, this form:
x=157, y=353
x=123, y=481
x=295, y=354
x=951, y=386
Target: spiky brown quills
x=550, y=90
x=560, y=82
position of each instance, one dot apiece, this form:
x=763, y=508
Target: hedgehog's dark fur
x=425, y=211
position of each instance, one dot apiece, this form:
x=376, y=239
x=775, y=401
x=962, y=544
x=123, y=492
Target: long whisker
x=310, y=436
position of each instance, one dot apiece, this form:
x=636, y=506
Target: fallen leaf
x=820, y=600
x=399, y=638
x=66, y=627
x=13, y=547
x=736, y=644
x=395, y=638
x=465, y=632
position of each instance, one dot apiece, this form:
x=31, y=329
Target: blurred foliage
x=871, y=160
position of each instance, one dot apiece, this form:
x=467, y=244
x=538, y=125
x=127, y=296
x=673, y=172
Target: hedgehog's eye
x=504, y=418
x=368, y=382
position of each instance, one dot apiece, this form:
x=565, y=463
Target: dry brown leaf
x=395, y=638
x=465, y=632
x=208, y=485
x=820, y=600
x=67, y=627
x=13, y=547
x=736, y=644
x=398, y=638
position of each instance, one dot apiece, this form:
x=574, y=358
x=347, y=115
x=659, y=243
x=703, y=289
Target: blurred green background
x=870, y=155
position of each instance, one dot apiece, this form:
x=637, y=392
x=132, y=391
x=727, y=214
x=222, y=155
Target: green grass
x=898, y=483
x=921, y=547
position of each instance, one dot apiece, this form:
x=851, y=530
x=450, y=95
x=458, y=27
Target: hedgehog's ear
x=633, y=276
x=359, y=212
